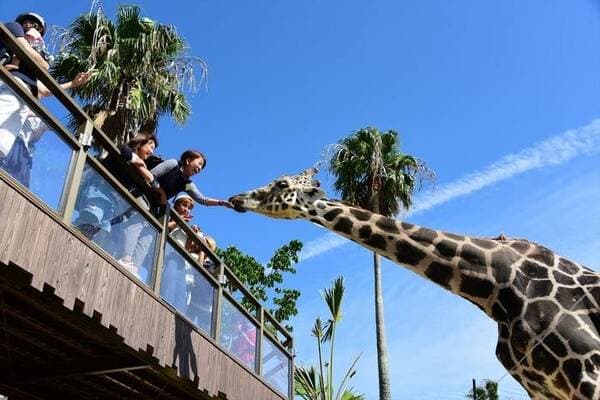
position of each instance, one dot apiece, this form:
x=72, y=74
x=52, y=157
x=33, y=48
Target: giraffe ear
x=310, y=172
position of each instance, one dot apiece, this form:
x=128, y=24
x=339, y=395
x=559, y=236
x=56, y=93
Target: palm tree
x=140, y=69
x=371, y=173
x=317, y=384
x=489, y=391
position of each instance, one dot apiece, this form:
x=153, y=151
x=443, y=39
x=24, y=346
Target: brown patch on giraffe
x=539, y=288
x=484, y=243
x=501, y=263
x=520, y=339
x=439, y=273
x=520, y=282
x=387, y=225
x=520, y=246
x=472, y=254
x=446, y=248
x=587, y=390
x=360, y=215
x=533, y=270
x=503, y=355
x=316, y=221
x=376, y=241
x=365, y=231
x=540, y=313
x=562, y=279
x=331, y=215
x=552, y=341
x=408, y=254
x=424, y=235
x=343, y=225
x=560, y=382
x=570, y=298
x=510, y=302
x=467, y=266
x=542, y=255
x=572, y=368
x=568, y=267
x=543, y=360
x=498, y=313
x=476, y=287
x=588, y=279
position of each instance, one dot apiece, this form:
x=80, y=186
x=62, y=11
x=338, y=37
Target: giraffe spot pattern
x=501, y=262
x=484, y=243
x=439, y=273
x=520, y=247
x=588, y=280
x=587, y=389
x=520, y=282
x=387, y=225
x=560, y=382
x=476, y=287
x=534, y=271
x=567, y=266
x=572, y=368
x=312, y=212
x=424, y=235
x=543, y=255
x=365, y=231
x=473, y=255
x=467, y=266
x=520, y=340
x=539, y=288
x=503, y=354
x=446, y=248
x=360, y=215
x=453, y=236
x=540, y=313
x=510, y=302
x=562, y=279
x=553, y=342
x=331, y=215
x=316, y=221
x=570, y=298
x=376, y=241
x=498, y=313
x=543, y=360
x=343, y=225
x=408, y=254
x=566, y=325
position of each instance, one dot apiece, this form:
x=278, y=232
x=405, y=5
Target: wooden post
x=474, y=390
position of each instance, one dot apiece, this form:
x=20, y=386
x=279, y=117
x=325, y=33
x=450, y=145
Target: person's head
x=32, y=21
x=192, y=162
x=210, y=242
x=143, y=144
x=183, y=204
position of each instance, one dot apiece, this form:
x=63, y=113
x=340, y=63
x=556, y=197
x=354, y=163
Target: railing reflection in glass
x=238, y=334
x=29, y=151
x=187, y=289
x=275, y=365
x=110, y=221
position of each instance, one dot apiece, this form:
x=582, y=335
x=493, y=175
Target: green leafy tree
x=371, y=173
x=140, y=68
x=489, y=391
x=316, y=383
x=265, y=281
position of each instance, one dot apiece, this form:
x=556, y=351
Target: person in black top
x=173, y=176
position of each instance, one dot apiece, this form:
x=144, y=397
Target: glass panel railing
x=187, y=289
x=275, y=366
x=103, y=215
x=29, y=151
x=238, y=334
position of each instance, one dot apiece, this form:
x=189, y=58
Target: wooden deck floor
x=74, y=325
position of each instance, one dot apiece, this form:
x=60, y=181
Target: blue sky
x=484, y=92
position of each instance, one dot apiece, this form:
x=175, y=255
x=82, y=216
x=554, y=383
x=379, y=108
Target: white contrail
x=550, y=152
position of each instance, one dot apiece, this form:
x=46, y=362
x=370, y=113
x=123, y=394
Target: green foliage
x=140, y=68
x=489, y=391
x=371, y=173
x=264, y=282
x=316, y=383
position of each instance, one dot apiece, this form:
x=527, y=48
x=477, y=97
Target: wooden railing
x=224, y=281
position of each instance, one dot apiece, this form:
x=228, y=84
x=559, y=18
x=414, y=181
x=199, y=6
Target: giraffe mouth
x=238, y=204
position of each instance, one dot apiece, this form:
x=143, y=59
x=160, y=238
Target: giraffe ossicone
x=547, y=307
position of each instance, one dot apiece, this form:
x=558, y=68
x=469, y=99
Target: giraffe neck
x=458, y=263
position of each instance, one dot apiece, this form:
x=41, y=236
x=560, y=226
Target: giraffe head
x=287, y=197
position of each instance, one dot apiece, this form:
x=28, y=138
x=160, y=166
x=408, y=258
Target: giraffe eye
x=282, y=185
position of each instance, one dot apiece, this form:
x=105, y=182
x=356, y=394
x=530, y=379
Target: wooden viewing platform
x=74, y=324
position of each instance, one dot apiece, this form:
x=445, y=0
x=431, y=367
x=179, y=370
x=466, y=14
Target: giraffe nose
x=238, y=203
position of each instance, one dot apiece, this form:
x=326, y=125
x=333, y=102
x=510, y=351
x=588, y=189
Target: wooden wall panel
x=55, y=256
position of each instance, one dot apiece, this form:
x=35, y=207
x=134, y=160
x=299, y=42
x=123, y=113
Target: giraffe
x=546, y=306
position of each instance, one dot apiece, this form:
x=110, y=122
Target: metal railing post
x=218, y=305
x=159, y=252
x=261, y=332
x=71, y=189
